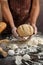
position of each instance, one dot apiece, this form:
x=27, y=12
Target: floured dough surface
x=35, y=41
x=25, y=30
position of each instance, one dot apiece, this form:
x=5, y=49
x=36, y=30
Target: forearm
x=7, y=14
x=34, y=12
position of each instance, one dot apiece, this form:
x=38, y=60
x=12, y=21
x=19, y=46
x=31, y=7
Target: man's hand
x=14, y=31
x=35, y=28
x=15, y=34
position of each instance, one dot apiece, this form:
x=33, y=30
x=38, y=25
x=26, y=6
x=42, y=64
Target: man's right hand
x=15, y=34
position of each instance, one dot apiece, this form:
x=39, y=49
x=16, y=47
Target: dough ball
x=2, y=26
x=25, y=30
x=26, y=57
x=11, y=52
x=18, y=60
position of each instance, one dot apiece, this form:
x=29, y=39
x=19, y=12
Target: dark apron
x=16, y=18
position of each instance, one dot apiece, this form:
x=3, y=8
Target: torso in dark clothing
x=20, y=10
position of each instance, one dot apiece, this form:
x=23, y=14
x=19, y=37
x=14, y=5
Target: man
x=17, y=12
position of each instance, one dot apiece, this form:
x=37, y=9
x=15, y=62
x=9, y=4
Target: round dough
x=25, y=30
x=26, y=57
x=11, y=52
x=2, y=26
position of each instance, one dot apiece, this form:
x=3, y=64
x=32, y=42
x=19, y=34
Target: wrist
x=14, y=28
x=33, y=24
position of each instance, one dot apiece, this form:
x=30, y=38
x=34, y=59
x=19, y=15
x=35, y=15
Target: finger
x=21, y=39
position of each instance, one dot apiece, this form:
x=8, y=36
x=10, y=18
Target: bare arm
x=34, y=12
x=8, y=16
x=6, y=13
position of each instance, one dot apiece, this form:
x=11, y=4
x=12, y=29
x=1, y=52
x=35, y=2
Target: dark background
x=40, y=19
